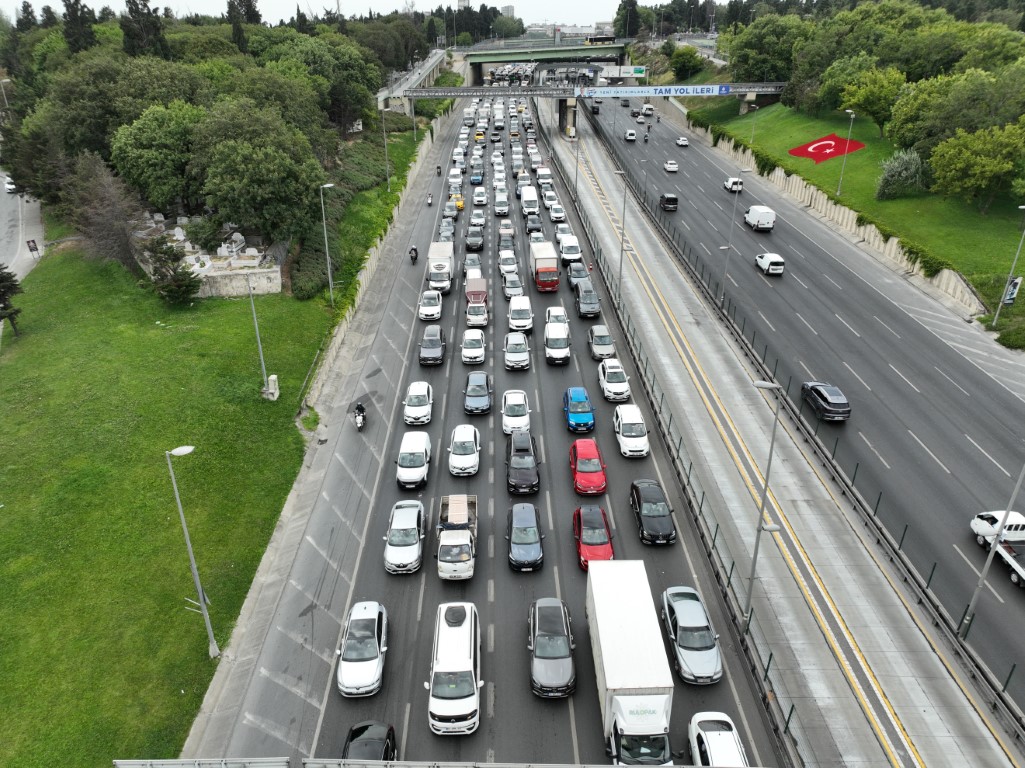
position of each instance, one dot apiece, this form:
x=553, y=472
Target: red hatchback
x=588, y=467
x=593, y=535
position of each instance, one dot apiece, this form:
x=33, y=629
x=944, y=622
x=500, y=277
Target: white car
x=505, y=228
x=733, y=184
x=557, y=212
x=714, y=740
x=612, y=378
x=361, y=655
x=517, y=351
x=480, y=196
x=10, y=186
x=472, y=346
x=507, y=263
x=556, y=315
x=562, y=230
x=430, y=306
x=770, y=263
x=464, y=451
x=681, y=141
x=537, y=237
x=404, y=542
x=631, y=431
x=550, y=199
x=515, y=411
x=630, y=135
x=671, y=166
x=498, y=180
x=496, y=157
x=419, y=403
x=478, y=219
x=641, y=120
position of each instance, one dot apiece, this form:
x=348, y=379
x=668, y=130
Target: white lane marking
x=849, y=328
x=854, y=373
x=873, y=449
x=491, y=546
x=794, y=277
x=963, y=390
x=806, y=323
x=491, y=590
x=976, y=572
x=766, y=320
x=491, y=705
x=491, y=637
x=840, y=287
x=933, y=455
x=548, y=504
x=807, y=369
x=983, y=452
x=906, y=381
x=886, y=326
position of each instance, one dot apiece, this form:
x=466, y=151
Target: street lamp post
x=387, y=165
x=622, y=242
x=185, y=450
x=969, y=614
x=327, y=253
x=1010, y=275
x=256, y=325
x=3, y=91
x=752, y=108
x=729, y=244
x=576, y=135
x=771, y=528
x=844, y=166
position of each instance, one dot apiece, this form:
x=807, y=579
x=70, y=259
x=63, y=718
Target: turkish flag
x=826, y=148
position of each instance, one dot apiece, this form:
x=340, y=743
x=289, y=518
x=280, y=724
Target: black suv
x=521, y=465
x=827, y=401
x=523, y=532
x=432, y=346
x=477, y=395
x=654, y=515
x=475, y=239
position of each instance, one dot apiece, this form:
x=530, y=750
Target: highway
x=516, y=726
x=935, y=433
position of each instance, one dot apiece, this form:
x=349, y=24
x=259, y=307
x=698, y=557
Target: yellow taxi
x=458, y=200
x=479, y=136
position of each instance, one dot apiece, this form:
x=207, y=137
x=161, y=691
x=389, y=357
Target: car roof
x=591, y=516
x=688, y=606
x=521, y=441
x=514, y=394
x=611, y=363
x=523, y=514
x=577, y=394
x=432, y=332
x=648, y=489
x=418, y=387
x=550, y=617
x=516, y=336
x=366, y=610
x=473, y=375
x=405, y=516
x=463, y=432
x=586, y=446
x=629, y=412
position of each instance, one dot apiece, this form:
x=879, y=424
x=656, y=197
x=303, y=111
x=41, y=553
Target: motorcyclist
x=430, y=198
x=413, y=254
x=658, y=118
x=645, y=138
x=360, y=409
x=649, y=127
x=439, y=170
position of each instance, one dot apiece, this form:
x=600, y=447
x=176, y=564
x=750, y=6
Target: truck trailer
x=441, y=264
x=544, y=266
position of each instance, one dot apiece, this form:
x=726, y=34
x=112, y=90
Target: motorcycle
x=360, y=415
x=658, y=118
x=430, y=199
x=413, y=254
x=645, y=138
x=439, y=170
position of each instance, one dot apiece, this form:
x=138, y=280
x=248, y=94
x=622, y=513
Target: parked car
x=404, y=541
x=550, y=642
x=695, y=644
x=362, y=652
x=587, y=467
x=593, y=535
x=651, y=509
x=827, y=402
x=523, y=532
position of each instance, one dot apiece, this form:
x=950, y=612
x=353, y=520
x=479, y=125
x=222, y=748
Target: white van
x=521, y=316
x=455, y=176
x=985, y=524
x=647, y=110
x=528, y=201
x=760, y=217
x=453, y=706
x=414, y=460
x=631, y=432
x=569, y=250
x=557, y=350
x=544, y=174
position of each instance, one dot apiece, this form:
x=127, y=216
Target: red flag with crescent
x=826, y=148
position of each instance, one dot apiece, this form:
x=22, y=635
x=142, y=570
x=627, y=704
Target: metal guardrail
x=989, y=687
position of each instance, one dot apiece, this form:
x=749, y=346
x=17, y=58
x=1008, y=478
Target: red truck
x=544, y=266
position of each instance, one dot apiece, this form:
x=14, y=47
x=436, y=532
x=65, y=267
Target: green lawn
x=100, y=658
x=979, y=246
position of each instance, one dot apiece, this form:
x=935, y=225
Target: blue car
x=476, y=178
x=579, y=412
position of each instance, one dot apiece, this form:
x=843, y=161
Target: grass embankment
x=100, y=657
x=943, y=231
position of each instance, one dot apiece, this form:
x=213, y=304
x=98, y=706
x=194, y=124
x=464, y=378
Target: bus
x=600, y=40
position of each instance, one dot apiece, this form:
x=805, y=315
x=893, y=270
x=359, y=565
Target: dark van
x=595, y=109
x=668, y=202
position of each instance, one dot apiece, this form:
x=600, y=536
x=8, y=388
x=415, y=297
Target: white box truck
x=457, y=537
x=635, y=684
x=441, y=263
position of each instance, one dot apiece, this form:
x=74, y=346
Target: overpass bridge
x=507, y=52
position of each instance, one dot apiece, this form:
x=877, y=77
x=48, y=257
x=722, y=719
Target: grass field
x=100, y=658
x=980, y=246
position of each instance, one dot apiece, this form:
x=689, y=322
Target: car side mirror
x=384, y=648
x=384, y=538
x=480, y=683
x=427, y=686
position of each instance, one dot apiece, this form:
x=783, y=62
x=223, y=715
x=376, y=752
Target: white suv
x=453, y=706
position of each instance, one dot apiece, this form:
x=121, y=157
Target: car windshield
x=632, y=430
x=473, y=342
x=525, y=535
x=464, y=448
x=588, y=465
x=430, y=300
x=452, y=685
x=551, y=647
x=411, y=460
x=403, y=537
x=602, y=338
x=455, y=553
x=579, y=406
x=594, y=536
x=476, y=389
x=431, y=342
x=558, y=343
x=520, y=314
x=515, y=408
x=360, y=641
x=513, y=282
x=615, y=376
x=695, y=638
x=521, y=461
x=516, y=346
x=569, y=249
x=476, y=309
x=417, y=400
x=654, y=509
x=644, y=750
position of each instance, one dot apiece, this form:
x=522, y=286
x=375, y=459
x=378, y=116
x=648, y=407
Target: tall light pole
x=327, y=253
x=185, y=450
x=576, y=134
x=387, y=165
x=1010, y=275
x=729, y=243
x=3, y=90
x=256, y=325
x=842, y=167
x=770, y=528
x=753, y=108
x=969, y=614
x=622, y=242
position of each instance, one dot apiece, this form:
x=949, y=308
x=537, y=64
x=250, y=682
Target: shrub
x=206, y=233
x=904, y=174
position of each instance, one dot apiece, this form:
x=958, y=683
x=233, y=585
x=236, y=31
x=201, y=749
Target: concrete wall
x=230, y=284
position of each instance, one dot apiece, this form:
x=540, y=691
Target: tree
x=686, y=62
x=9, y=288
x=302, y=23
x=874, y=93
x=668, y=49
x=78, y=26
x=903, y=174
x=173, y=280
x=432, y=31
x=979, y=166
x=26, y=19
x=464, y=40
x=764, y=51
x=250, y=13
x=839, y=75
x=628, y=20
x=238, y=34
x=48, y=18
x=143, y=30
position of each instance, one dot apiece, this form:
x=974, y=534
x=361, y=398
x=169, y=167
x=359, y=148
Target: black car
x=521, y=465
x=477, y=395
x=827, y=401
x=475, y=239
x=533, y=223
x=432, y=346
x=550, y=642
x=575, y=273
x=624, y=102
x=471, y=261
x=370, y=740
x=523, y=532
x=505, y=243
x=635, y=112
x=653, y=513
